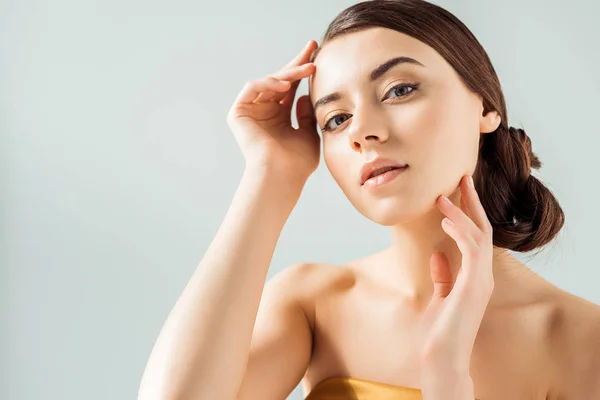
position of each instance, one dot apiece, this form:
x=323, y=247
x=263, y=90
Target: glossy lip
x=376, y=164
x=383, y=179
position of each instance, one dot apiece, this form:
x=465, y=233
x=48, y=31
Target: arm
x=203, y=348
x=282, y=340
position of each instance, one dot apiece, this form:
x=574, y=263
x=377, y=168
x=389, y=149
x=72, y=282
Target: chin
x=391, y=211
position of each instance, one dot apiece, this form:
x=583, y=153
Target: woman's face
x=433, y=124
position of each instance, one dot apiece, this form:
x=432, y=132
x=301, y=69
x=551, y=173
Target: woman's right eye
x=326, y=128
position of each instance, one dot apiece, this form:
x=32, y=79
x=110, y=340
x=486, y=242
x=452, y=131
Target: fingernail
x=446, y=200
x=470, y=181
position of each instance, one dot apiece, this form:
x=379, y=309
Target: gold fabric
x=347, y=388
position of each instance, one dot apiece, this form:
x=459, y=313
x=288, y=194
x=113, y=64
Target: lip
x=383, y=179
x=376, y=164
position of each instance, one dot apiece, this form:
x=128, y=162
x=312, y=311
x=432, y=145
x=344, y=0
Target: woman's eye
x=334, y=118
x=403, y=86
x=398, y=89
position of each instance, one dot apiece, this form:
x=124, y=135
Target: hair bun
x=525, y=213
x=521, y=138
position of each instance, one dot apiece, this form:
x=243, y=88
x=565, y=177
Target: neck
x=405, y=264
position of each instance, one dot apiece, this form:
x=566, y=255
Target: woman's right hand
x=260, y=119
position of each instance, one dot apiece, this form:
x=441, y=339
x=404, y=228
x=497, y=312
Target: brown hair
x=523, y=212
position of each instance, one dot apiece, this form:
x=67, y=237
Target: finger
x=303, y=56
x=290, y=95
x=300, y=60
x=474, y=206
x=293, y=75
x=441, y=274
x=305, y=114
x=296, y=72
x=464, y=203
x=458, y=217
x=465, y=242
x=253, y=89
x=273, y=95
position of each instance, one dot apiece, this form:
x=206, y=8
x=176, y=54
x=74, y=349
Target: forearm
x=206, y=339
x=445, y=384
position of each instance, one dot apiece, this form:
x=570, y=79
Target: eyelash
x=413, y=86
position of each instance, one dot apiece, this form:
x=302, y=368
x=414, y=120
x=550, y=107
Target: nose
x=367, y=128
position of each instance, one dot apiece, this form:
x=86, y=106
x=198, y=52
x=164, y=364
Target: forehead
x=350, y=58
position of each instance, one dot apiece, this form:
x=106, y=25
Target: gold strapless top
x=347, y=388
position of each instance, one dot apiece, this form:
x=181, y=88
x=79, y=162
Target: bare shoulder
x=306, y=282
x=574, y=346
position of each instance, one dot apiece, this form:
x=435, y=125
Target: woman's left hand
x=453, y=317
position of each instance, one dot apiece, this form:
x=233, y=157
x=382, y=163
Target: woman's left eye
x=401, y=87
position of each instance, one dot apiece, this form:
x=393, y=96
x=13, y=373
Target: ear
x=489, y=122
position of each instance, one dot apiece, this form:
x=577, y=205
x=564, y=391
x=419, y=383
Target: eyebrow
x=373, y=76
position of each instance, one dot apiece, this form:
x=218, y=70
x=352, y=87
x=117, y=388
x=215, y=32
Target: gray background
x=118, y=166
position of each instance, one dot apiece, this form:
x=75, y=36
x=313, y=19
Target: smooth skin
x=425, y=116
x=452, y=319
x=216, y=344
x=260, y=120
x=230, y=336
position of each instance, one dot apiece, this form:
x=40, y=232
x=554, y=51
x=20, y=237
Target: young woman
x=414, y=130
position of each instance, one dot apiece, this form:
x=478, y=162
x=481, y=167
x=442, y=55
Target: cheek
x=337, y=162
x=450, y=136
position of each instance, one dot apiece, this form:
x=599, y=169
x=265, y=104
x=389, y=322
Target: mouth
x=383, y=176
x=382, y=171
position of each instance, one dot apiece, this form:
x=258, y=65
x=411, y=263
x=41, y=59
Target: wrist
x=275, y=186
x=280, y=175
